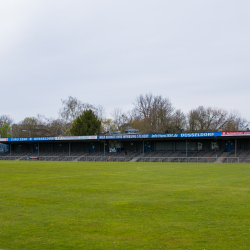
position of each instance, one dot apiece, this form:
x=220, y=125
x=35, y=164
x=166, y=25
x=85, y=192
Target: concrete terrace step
x=135, y=159
x=222, y=157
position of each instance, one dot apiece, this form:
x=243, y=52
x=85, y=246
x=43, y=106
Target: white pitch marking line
x=65, y=176
x=142, y=169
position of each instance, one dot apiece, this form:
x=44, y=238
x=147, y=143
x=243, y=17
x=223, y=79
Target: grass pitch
x=94, y=205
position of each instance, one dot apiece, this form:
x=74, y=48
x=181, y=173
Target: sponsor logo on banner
x=201, y=134
x=68, y=138
x=129, y=137
x=3, y=139
x=113, y=136
x=164, y=135
x=20, y=139
x=42, y=139
x=238, y=133
x=32, y=139
x=142, y=136
x=92, y=137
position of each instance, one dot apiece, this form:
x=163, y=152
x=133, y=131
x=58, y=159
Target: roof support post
x=186, y=150
x=69, y=148
x=143, y=147
x=38, y=149
x=235, y=148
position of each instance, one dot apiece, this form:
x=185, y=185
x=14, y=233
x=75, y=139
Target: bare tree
x=53, y=127
x=235, y=122
x=40, y=126
x=73, y=108
x=5, y=119
x=202, y=119
x=26, y=128
x=99, y=111
x=214, y=119
x=57, y=127
x=178, y=122
x=155, y=112
x=120, y=119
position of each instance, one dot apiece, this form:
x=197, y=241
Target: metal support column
x=104, y=148
x=143, y=147
x=10, y=150
x=186, y=150
x=69, y=148
x=38, y=149
x=235, y=148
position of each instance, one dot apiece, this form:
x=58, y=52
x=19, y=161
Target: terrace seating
x=245, y=156
x=152, y=156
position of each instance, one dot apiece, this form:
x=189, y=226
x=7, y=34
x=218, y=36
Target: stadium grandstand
x=133, y=147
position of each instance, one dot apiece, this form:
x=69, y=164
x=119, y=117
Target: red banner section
x=238, y=133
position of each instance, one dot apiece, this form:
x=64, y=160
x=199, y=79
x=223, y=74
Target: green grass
x=93, y=205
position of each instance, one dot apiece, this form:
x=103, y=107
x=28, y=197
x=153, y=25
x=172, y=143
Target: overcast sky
x=108, y=52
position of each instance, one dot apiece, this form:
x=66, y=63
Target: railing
x=10, y=157
x=127, y=158
x=188, y=159
x=102, y=158
x=25, y=157
x=153, y=159
x=49, y=157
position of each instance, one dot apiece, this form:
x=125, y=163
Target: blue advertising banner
x=62, y=138
x=32, y=139
x=160, y=136
x=115, y=137
x=208, y=134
